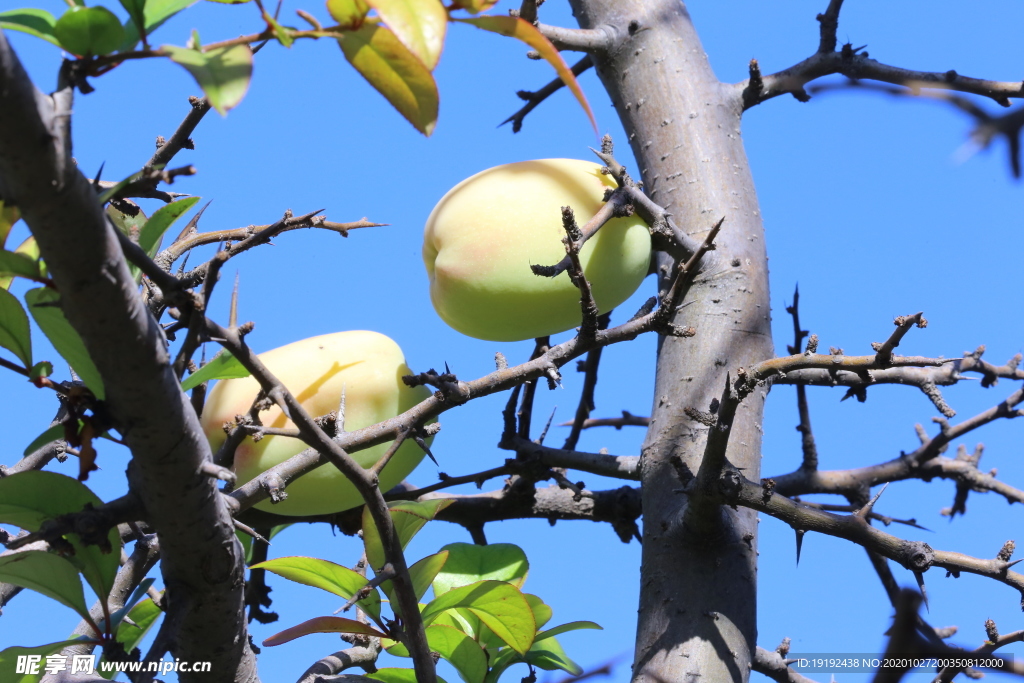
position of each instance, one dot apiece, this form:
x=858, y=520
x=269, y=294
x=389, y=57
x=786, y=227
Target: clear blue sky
x=866, y=205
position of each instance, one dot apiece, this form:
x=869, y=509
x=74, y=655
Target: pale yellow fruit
x=483, y=236
x=368, y=366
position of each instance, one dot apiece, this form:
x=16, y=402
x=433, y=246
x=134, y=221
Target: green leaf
x=456, y=618
x=348, y=13
x=131, y=226
x=391, y=675
x=52, y=434
x=89, y=31
x=419, y=24
x=222, y=73
x=136, y=9
x=46, y=573
x=465, y=655
x=541, y=612
x=421, y=574
x=43, y=368
x=29, y=498
x=30, y=249
x=408, y=518
x=223, y=366
x=548, y=654
x=230, y=2
x=164, y=218
x=143, y=616
x=282, y=33
x=322, y=625
x=469, y=563
x=43, y=305
x=9, y=215
x=157, y=12
x=499, y=605
x=516, y=27
x=565, y=628
x=324, y=575
x=395, y=72
x=19, y=265
x=14, y=330
x=36, y=22
x=9, y=659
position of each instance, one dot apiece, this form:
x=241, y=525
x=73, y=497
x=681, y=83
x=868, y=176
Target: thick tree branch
x=202, y=572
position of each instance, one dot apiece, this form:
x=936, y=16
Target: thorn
x=920, y=584
x=446, y=370
x=233, y=314
x=799, y=544
x=866, y=510
x=423, y=444
x=96, y=180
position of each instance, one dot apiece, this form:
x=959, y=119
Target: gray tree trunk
x=697, y=617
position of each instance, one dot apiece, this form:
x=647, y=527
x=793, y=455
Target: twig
x=628, y=419
x=546, y=364
x=586, y=405
x=181, y=138
x=533, y=99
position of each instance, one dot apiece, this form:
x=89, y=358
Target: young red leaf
x=322, y=625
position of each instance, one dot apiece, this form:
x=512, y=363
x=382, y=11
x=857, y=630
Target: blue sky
x=866, y=203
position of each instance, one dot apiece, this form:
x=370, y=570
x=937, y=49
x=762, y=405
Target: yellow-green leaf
x=499, y=605
x=408, y=518
x=421, y=574
x=46, y=573
x=515, y=27
x=469, y=563
x=476, y=6
x=9, y=215
x=223, y=73
x=43, y=304
x=419, y=24
x=14, y=330
x=348, y=13
x=29, y=498
x=325, y=575
x=395, y=72
x=223, y=366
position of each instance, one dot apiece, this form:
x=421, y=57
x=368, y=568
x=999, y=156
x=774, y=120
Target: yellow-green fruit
x=368, y=366
x=484, y=235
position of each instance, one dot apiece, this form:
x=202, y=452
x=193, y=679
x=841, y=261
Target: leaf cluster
x=480, y=620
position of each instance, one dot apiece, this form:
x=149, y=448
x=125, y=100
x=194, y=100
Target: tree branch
x=99, y=298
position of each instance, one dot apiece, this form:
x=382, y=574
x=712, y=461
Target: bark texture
x=200, y=558
x=697, y=616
